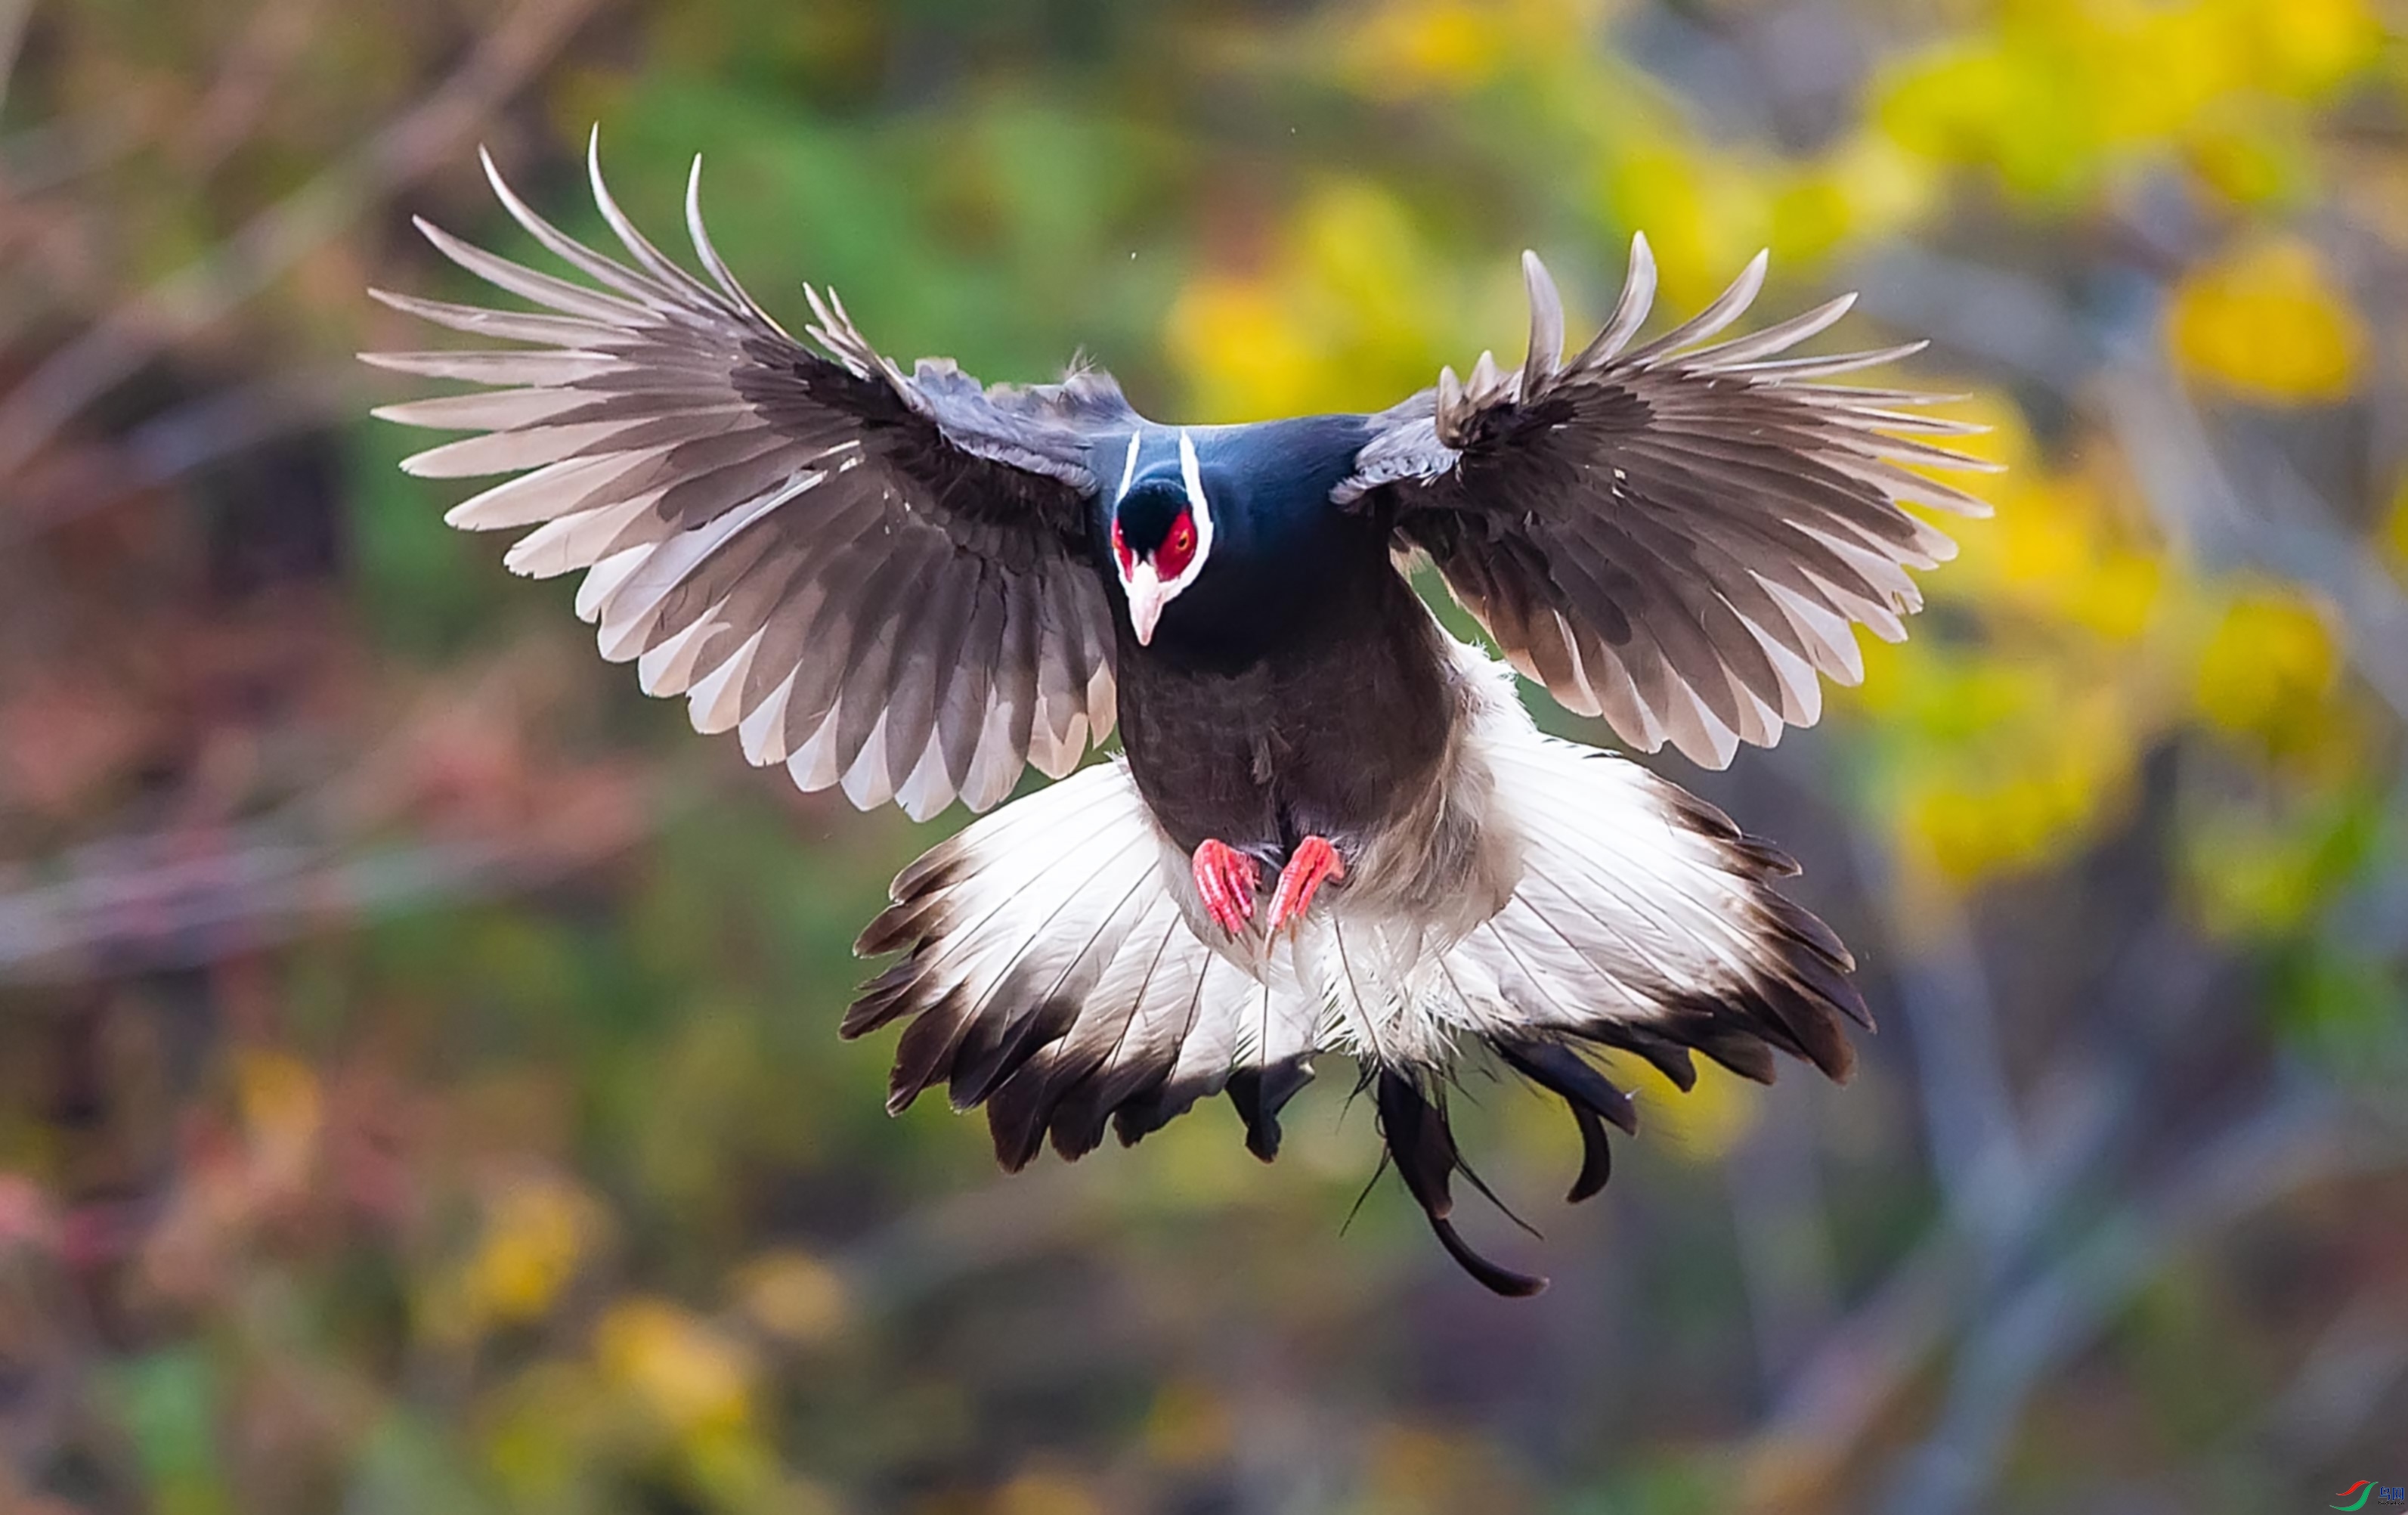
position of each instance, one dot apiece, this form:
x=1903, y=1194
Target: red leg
x=1226, y=878
x=1314, y=863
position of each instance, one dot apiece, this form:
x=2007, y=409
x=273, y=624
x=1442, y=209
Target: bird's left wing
x=877, y=578
x=1674, y=536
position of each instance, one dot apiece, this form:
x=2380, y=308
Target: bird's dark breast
x=1327, y=713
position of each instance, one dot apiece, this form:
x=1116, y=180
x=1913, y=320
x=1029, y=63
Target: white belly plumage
x=1061, y=970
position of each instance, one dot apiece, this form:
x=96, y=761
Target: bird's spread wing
x=1674, y=536
x=877, y=578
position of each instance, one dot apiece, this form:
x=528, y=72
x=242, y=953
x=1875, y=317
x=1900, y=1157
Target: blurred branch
x=2357, y=1361
x=217, y=426
x=2005, y=318
x=13, y=16
x=42, y=159
x=2291, y=1143
x=180, y=899
x=424, y=136
x=1779, y=1220
x=2019, y=321
x=1960, y=1071
x=932, y=1246
x=244, y=88
x=2088, y=1102
x=2198, y=503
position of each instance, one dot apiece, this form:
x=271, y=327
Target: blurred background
x=417, y=1081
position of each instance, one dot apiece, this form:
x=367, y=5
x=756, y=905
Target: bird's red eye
x=1177, y=547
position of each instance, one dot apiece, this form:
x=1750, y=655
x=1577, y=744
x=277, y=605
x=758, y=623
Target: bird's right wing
x=879, y=579
x=1675, y=536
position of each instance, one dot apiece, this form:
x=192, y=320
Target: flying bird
x=1331, y=827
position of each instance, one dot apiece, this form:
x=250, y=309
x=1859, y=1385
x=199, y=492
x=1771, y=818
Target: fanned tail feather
x=1057, y=968
x=1050, y=973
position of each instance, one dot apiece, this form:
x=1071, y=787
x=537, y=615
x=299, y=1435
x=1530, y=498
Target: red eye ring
x=1178, y=549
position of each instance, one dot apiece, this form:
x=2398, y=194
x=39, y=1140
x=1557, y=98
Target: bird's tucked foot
x=1314, y=863
x=1227, y=879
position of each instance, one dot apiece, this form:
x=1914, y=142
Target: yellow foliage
x=2303, y=48
x=2268, y=324
x=1969, y=828
x=541, y=1432
x=282, y=1111
x=1046, y=1491
x=538, y=1229
x=1428, y=1469
x=2064, y=92
x=1966, y=103
x=2059, y=551
x=1999, y=759
x=793, y=1296
x=2395, y=531
x=2268, y=665
x=1189, y=1426
x=1866, y=186
x=1400, y=49
x=2252, y=155
x=2248, y=879
x=2264, y=865
x=1424, y=45
x=1242, y=351
x=1703, y=1124
x=1997, y=755
x=1355, y=242
x=1349, y=309
x=690, y=1376
x=1705, y=214
x=1343, y=314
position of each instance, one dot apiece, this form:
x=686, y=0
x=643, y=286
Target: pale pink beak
x=1147, y=595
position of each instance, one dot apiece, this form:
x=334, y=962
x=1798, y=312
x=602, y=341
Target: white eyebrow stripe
x=1128, y=469
x=1189, y=471
x=1198, y=506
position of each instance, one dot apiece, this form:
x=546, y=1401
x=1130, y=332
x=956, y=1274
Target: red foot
x=1314, y=863
x=1228, y=878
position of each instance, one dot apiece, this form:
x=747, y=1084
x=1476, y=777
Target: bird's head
x=1162, y=536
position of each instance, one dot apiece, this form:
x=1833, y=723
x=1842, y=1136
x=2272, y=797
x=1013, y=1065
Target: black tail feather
x=1413, y=1125
x=1494, y=1277
x=1592, y=1099
x=1260, y=1094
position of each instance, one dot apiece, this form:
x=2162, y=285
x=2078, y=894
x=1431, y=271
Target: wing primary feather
x=567, y=249
x=1776, y=337
x=571, y=332
x=543, y=288
x=1546, y=349
x=1629, y=309
x=719, y=272
x=1726, y=308
x=638, y=246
